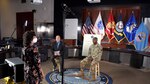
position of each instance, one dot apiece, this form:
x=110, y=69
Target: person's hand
x=35, y=50
x=93, y=63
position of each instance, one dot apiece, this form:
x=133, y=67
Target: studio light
x=37, y=1
x=94, y=1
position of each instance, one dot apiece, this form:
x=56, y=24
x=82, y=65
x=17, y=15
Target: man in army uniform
x=94, y=57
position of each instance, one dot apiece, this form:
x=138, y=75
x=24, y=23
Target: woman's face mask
x=34, y=40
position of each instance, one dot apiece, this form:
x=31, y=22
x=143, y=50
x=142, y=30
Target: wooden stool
x=95, y=71
x=8, y=80
x=57, y=60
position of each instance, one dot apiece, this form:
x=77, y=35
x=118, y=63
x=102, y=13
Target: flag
x=118, y=33
x=147, y=23
x=141, y=37
x=87, y=27
x=149, y=40
x=130, y=28
x=110, y=27
x=99, y=26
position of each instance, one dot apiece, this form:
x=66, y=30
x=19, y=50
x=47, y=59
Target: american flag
x=87, y=27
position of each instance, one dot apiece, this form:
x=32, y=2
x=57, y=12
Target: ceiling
x=103, y=2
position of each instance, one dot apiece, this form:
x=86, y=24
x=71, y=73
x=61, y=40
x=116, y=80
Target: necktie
x=57, y=45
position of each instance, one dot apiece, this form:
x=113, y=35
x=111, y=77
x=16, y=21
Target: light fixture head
x=94, y=1
x=37, y=2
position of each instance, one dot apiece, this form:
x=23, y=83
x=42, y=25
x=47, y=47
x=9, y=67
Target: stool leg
x=93, y=71
x=58, y=67
x=6, y=80
x=57, y=60
x=98, y=70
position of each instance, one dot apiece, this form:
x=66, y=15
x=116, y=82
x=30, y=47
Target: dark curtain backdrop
x=80, y=8
x=125, y=11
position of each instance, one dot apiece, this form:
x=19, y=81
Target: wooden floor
x=120, y=73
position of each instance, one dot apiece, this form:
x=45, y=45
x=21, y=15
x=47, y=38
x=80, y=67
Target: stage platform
x=69, y=78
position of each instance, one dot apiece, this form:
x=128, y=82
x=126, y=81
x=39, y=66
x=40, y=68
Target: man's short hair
x=95, y=38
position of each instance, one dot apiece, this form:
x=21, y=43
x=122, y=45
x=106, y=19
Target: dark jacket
x=60, y=48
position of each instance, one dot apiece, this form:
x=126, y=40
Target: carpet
x=55, y=78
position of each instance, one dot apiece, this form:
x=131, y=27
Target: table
x=136, y=58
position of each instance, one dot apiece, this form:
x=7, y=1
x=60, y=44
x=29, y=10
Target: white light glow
x=26, y=23
x=94, y=1
x=38, y=29
x=79, y=28
x=37, y=2
x=43, y=28
x=48, y=30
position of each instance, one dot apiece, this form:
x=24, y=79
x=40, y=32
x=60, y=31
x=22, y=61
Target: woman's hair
x=28, y=37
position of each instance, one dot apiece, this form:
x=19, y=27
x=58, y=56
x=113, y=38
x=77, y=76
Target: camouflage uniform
x=94, y=56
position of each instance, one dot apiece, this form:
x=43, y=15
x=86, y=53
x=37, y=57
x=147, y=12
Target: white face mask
x=34, y=40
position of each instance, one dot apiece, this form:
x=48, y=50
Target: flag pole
x=142, y=19
x=111, y=10
x=88, y=13
x=120, y=11
x=132, y=12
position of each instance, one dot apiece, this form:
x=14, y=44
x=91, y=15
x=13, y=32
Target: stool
x=8, y=80
x=95, y=71
x=57, y=60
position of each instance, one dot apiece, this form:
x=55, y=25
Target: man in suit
x=58, y=53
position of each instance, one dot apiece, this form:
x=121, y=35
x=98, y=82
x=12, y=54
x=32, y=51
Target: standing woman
x=33, y=70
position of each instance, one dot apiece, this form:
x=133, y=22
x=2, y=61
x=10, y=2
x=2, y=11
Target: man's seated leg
x=83, y=63
x=54, y=64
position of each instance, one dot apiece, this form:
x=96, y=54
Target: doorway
x=24, y=22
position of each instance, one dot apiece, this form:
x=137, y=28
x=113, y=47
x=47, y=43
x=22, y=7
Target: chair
x=43, y=50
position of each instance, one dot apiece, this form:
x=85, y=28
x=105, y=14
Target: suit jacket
x=59, y=48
